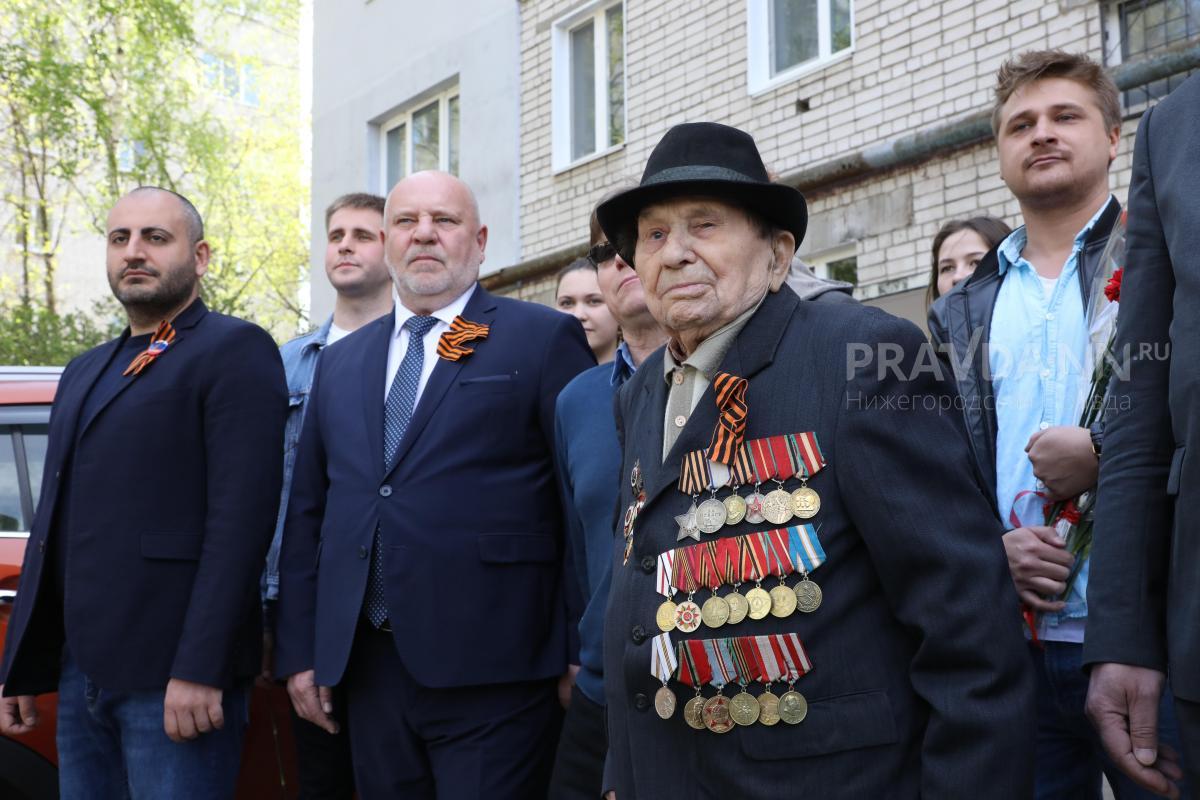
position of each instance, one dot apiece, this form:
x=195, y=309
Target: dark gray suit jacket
x=1143, y=604
x=921, y=685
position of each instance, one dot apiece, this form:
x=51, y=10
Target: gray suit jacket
x=1143, y=606
x=921, y=684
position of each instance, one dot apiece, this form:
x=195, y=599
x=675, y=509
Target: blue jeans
x=1069, y=758
x=111, y=744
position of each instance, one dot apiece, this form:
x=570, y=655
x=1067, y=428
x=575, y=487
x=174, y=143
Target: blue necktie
x=397, y=413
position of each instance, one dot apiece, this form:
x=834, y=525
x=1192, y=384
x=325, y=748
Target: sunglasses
x=599, y=253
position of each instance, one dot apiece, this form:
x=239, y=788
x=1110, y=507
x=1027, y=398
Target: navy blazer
x=921, y=685
x=470, y=516
x=173, y=486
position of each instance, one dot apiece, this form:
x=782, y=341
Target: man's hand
x=17, y=714
x=1039, y=564
x=1064, y=461
x=1122, y=702
x=313, y=703
x=191, y=709
x=565, y=683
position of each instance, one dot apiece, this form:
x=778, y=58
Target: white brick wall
x=914, y=65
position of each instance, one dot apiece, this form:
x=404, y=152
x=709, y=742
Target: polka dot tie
x=397, y=413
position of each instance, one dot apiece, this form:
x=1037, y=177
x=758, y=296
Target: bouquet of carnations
x=1074, y=518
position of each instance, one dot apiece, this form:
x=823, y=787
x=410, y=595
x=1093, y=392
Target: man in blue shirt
x=1017, y=331
x=588, y=460
x=355, y=268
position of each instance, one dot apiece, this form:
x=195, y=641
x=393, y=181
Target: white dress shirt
x=399, y=344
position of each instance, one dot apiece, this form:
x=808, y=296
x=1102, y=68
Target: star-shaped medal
x=688, y=525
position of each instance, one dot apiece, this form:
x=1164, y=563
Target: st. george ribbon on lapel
x=159, y=342
x=451, y=344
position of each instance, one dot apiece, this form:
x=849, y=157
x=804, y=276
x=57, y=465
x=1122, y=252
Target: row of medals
x=781, y=601
x=719, y=713
x=777, y=507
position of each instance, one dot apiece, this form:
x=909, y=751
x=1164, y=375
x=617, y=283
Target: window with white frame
x=788, y=38
x=840, y=264
x=423, y=136
x=230, y=80
x=1136, y=29
x=588, y=83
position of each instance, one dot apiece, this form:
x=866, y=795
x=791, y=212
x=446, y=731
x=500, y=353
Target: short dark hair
x=195, y=223
x=370, y=202
x=1039, y=64
x=990, y=229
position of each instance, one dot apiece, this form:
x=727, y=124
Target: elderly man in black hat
x=810, y=597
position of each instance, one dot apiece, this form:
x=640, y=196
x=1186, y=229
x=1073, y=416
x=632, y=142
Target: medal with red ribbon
x=452, y=344
x=159, y=342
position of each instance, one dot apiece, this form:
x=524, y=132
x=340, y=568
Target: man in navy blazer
x=421, y=562
x=139, y=592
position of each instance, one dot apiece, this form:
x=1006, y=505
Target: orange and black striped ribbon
x=159, y=343
x=731, y=424
x=452, y=344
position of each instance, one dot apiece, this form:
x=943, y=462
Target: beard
x=175, y=285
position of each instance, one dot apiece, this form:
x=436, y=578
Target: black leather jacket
x=960, y=322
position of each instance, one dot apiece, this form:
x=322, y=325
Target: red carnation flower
x=1112, y=289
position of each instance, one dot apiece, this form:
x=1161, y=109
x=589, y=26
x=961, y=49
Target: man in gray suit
x=1145, y=610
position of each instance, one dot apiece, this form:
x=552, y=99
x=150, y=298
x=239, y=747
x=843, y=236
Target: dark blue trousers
x=411, y=741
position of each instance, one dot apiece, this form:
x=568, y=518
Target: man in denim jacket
x=354, y=265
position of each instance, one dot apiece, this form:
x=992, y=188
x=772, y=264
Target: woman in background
x=958, y=248
x=578, y=294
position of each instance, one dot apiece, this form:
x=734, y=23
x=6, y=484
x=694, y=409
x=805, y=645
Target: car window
x=10, y=485
x=35, y=438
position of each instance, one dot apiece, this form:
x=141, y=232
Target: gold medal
x=777, y=507
x=693, y=712
x=711, y=515
x=665, y=617
x=768, y=708
x=738, y=607
x=735, y=509
x=754, y=508
x=716, y=714
x=783, y=601
x=808, y=596
x=664, y=702
x=793, y=708
x=687, y=616
x=805, y=503
x=760, y=602
x=716, y=611
x=744, y=709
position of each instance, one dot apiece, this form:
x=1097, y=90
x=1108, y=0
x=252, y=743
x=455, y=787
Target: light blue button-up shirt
x=1037, y=341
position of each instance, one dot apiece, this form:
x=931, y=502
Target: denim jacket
x=300, y=363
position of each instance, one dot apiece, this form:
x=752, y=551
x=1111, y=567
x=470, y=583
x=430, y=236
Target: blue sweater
x=589, y=462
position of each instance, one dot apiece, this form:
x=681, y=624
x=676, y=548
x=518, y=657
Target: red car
x=29, y=764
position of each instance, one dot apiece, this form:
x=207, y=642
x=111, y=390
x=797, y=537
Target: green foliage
x=100, y=96
x=33, y=335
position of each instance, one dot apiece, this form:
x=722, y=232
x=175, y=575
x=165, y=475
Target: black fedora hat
x=710, y=160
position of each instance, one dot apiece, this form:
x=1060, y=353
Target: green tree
x=97, y=97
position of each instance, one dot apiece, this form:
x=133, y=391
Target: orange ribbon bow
x=731, y=424
x=159, y=342
x=451, y=345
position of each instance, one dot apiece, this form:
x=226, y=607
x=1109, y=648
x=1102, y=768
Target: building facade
x=875, y=109
x=402, y=86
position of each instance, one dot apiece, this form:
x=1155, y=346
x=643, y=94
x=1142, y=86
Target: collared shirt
x=399, y=343
x=1038, y=340
x=299, y=364
x=689, y=379
x=623, y=366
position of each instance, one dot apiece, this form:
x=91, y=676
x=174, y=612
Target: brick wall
x=913, y=65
